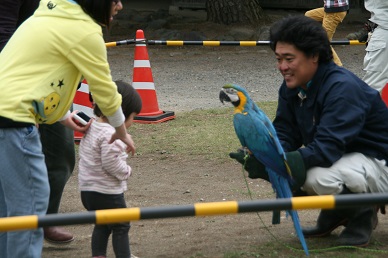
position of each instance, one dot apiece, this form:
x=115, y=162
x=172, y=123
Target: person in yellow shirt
x=40, y=69
x=57, y=140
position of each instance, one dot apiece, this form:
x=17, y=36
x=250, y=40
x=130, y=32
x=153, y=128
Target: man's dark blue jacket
x=340, y=114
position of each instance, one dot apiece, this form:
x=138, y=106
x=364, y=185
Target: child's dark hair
x=131, y=101
x=305, y=34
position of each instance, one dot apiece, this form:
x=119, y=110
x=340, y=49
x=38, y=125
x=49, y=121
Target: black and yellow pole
x=120, y=43
x=197, y=209
x=234, y=43
x=347, y=42
x=211, y=43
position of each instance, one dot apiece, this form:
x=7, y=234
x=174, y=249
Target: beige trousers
x=330, y=21
x=359, y=173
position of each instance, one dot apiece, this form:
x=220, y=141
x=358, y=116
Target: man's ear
x=315, y=58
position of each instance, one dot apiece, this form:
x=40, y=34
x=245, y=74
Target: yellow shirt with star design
x=42, y=64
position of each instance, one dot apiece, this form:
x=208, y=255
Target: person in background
x=12, y=14
x=331, y=15
x=363, y=33
x=103, y=172
x=38, y=87
x=332, y=126
x=375, y=60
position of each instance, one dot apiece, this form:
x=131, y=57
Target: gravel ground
x=189, y=77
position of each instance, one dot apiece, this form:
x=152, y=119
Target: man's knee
x=320, y=183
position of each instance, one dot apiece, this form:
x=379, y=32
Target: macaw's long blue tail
x=283, y=190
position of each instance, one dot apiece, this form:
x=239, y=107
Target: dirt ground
x=188, y=78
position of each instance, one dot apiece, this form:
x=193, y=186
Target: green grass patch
x=201, y=132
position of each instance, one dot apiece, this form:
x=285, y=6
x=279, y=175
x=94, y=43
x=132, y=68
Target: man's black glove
x=256, y=169
x=298, y=169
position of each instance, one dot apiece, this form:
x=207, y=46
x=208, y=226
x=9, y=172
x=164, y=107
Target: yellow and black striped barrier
x=347, y=42
x=211, y=43
x=234, y=43
x=123, y=42
x=197, y=209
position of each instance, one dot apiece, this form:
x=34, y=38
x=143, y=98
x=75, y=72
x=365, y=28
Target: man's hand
x=254, y=167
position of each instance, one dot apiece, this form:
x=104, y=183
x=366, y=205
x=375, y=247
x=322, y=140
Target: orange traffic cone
x=384, y=94
x=143, y=82
x=82, y=103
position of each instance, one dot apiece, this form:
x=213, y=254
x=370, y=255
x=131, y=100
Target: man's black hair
x=306, y=34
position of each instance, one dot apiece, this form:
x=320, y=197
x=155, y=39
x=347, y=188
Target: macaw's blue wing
x=271, y=130
x=264, y=144
x=255, y=131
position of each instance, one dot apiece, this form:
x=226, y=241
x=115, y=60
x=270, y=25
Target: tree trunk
x=235, y=11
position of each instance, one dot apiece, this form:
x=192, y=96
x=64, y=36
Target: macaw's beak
x=224, y=97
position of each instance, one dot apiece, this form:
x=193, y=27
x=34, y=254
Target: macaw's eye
x=231, y=91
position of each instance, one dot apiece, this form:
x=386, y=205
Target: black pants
x=58, y=148
x=13, y=13
x=120, y=240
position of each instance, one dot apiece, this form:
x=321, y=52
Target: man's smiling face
x=296, y=68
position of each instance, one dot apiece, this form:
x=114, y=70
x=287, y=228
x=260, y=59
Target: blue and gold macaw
x=256, y=133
